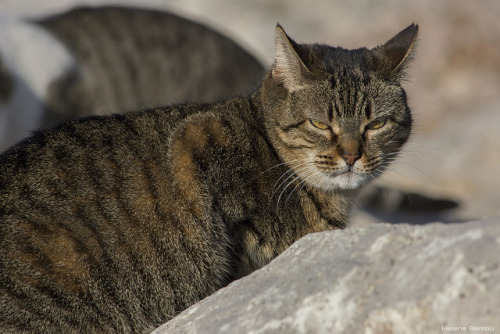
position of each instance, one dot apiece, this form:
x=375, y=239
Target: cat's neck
x=334, y=207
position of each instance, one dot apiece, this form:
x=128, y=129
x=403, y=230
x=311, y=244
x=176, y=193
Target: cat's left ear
x=392, y=58
x=288, y=68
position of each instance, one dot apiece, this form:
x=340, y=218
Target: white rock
x=380, y=278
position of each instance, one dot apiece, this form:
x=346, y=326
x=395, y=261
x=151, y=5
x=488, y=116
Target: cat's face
x=337, y=117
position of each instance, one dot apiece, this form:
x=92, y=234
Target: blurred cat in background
x=96, y=61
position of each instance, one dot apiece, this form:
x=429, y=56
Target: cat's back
x=43, y=177
x=73, y=147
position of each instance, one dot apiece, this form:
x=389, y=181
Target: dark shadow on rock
x=397, y=206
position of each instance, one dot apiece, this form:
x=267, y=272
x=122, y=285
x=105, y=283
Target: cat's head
x=337, y=117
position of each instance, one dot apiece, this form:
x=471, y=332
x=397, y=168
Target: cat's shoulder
x=216, y=124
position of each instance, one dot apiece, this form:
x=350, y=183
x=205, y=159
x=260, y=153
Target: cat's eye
x=375, y=125
x=320, y=125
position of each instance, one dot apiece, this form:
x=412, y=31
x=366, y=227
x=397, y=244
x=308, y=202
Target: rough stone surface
x=379, y=278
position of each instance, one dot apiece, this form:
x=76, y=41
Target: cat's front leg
x=254, y=249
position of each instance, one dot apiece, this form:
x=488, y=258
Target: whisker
x=303, y=182
x=291, y=162
x=304, y=178
x=284, y=189
x=293, y=172
x=402, y=163
x=290, y=169
x=277, y=186
x=393, y=174
x=315, y=179
x=283, y=163
x=314, y=182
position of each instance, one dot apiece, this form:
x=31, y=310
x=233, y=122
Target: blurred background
x=453, y=89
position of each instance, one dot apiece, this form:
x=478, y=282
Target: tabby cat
x=94, y=61
x=116, y=224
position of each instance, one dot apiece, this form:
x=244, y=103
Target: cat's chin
x=346, y=181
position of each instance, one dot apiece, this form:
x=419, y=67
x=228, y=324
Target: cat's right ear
x=288, y=68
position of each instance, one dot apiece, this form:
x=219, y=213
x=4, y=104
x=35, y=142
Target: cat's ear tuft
x=393, y=57
x=288, y=68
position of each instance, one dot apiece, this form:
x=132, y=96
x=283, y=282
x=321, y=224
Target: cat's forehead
x=343, y=95
x=339, y=68
x=343, y=81
x=342, y=84
x=335, y=60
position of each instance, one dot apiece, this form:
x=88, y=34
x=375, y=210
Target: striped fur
x=115, y=224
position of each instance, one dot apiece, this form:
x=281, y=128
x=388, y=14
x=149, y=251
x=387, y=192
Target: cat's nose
x=351, y=157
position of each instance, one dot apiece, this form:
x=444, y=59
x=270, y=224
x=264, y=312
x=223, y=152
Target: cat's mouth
x=329, y=176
